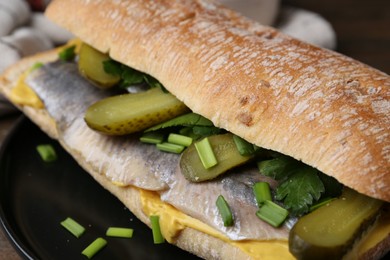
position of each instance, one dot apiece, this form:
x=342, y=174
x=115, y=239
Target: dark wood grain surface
x=363, y=32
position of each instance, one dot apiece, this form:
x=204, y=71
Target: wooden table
x=363, y=32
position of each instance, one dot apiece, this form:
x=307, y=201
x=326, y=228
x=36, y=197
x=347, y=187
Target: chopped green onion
x=224, y=210
x=320, y=204
x=73, y=227
x=179, y=139
x=119, y=232
x=152, y=138
x=47, y=152
x=206, y=153
x=262, y=192
x=94, y=247
x=244, y=148
x=156, y=231
x=171, y=148
x=68, y=54
x=272, y=213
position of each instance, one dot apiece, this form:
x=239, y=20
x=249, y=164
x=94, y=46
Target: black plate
x=36, y=196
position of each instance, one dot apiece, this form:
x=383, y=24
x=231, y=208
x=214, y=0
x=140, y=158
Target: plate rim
x=20, y=247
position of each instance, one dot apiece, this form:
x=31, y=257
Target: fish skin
x=125, y=160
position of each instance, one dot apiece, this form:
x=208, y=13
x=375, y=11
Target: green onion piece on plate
x=94, y=247
x=170, y=148
x=272, y=213
x=224, y=210
x=262, y=192
x=206, y=153
x=179, y=139
x=47, y=152
x=156, y=231
x=73, y=227
x=36, y=65
x=119, y=232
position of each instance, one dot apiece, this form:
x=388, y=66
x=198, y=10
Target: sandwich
x=283, y=147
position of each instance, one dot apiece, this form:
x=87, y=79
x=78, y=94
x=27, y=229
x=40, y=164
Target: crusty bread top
x=325, y=109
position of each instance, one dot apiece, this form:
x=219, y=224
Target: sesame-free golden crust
x=318, y=106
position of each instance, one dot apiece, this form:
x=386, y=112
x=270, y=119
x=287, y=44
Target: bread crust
x=318, y=106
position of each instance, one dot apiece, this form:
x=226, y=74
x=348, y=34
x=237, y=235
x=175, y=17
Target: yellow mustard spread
x=23, y=95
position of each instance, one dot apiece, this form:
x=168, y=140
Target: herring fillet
x=66, y=96
x=126, y=161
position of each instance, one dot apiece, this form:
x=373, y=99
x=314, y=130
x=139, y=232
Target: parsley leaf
x=191, y=124
x=130, y=76
x=112, y=67
x=203, y=131
x=300, y=190
x=188, y=120
x=278, y=168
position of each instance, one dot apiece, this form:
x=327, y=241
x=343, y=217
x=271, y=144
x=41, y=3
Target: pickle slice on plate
x=225, y=151
x=129, y=113
x=329, y=232
x=91, y=66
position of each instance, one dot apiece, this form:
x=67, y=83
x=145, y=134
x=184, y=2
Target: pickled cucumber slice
x=328, y=232
x=91, y=66
x=225, y=151
x=129, y=113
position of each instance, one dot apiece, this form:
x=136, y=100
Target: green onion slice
x=244, y=148
x=152, y=138
x=94, y=247
x=47, y=152
x=224, y=210
x=179, y=139
x=119, y=232
x=171, y=148
x=73, y=227
x=206, y=153
x=262, y=192
x=272, y=213
x=156, y=231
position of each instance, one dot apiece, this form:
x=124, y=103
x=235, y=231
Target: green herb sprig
x=130, y=76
